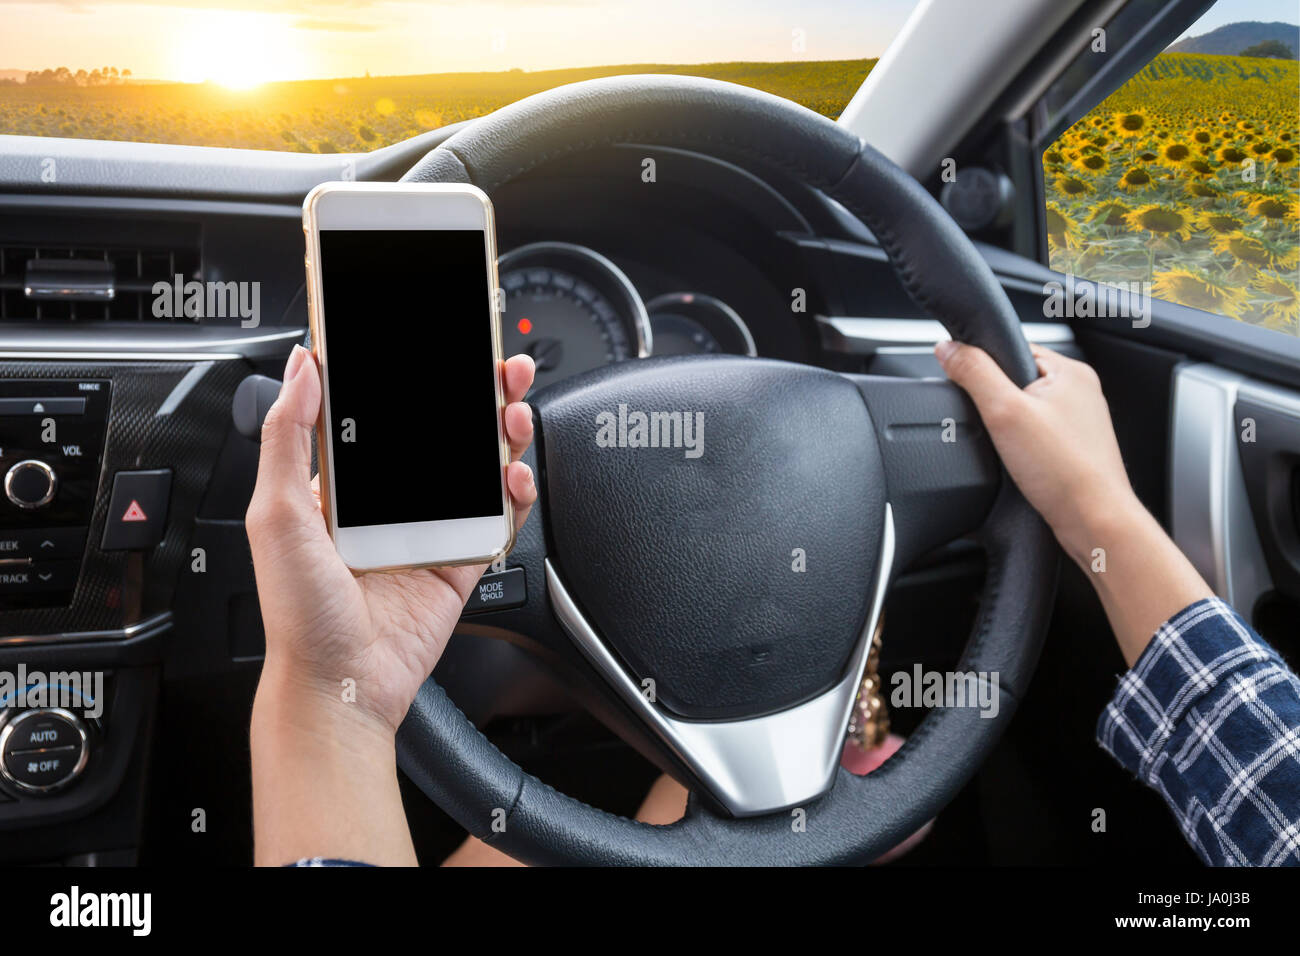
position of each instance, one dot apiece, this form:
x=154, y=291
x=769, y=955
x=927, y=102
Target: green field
x=350, y=115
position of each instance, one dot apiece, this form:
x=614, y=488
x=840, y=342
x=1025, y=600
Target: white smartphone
x=403, y=303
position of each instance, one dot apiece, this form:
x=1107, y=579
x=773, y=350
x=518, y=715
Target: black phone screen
x=413, y=412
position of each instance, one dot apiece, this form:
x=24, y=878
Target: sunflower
x=1175, y=154
x=1284, y=156
x=1200, y=167
x=1230, y=154
x=1161, y=220
x=1072, y=185
x=1254, y=252
x=1220, y=223
x=1148, y=157
x=1112, y=212
x=1200, y=190
x=1272, y=207
x=1201, y=136
x=1135, y=178
x=1281, y=307
x=1061, y=231
x=1092, y=163
x=1199, y=291
x=1053, y=157
x=1131, y=124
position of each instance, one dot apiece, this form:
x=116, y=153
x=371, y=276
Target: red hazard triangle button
x=137, y=510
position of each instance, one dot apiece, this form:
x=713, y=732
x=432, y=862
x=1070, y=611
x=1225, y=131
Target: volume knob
x=31, y=484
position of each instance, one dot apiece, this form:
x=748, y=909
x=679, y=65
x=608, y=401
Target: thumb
x=284, y=464
x=971, y=367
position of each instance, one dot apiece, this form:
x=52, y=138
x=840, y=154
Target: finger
x=284, y=461
x=1048, y=361
x=518, y=377
x=523, y=490
x=519, y=428
x=973, y=369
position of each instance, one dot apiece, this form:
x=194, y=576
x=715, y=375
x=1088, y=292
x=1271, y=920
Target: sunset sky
x=296, y=39
x=244, y=42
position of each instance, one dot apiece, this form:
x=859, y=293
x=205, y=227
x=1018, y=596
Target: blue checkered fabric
x=1209, y=717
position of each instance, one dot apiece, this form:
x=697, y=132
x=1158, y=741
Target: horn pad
x=717, y=552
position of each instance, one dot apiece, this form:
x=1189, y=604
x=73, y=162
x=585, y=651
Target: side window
x=1186, y=180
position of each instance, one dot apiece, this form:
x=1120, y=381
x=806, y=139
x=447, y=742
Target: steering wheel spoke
x=752, y=765
x=941, y=470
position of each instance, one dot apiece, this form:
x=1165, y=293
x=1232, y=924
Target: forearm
x=324, y=780
x=1208, y=717
x=1137, y=571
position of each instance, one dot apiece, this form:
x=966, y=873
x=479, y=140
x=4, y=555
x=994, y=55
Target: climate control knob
x=31, y=484
x=43, y=750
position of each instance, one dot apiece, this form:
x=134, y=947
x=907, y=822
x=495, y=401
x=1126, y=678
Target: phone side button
x=496, y=592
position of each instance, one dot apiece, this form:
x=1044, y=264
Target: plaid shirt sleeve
x=1209, y=717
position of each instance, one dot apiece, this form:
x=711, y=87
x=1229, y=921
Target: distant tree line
x=104, y=76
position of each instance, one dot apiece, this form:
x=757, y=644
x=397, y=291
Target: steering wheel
x=661, y=579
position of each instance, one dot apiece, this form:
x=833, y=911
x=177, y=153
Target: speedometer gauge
x=569, y=308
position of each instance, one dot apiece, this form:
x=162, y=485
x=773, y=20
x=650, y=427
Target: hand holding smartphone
x=405, y=326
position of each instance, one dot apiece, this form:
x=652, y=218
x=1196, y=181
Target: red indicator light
x=525, y=326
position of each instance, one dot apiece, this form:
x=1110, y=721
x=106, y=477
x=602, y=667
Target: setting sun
x=236, y=50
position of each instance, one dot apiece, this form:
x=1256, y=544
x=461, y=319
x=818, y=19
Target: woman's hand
x=324, y=625
x=345, y=653
x=1056, y=440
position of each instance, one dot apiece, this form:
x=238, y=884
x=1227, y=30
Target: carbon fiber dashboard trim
x=118, y=590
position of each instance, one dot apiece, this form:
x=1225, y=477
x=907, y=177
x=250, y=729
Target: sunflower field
x=359, y=113
x=1187, y=177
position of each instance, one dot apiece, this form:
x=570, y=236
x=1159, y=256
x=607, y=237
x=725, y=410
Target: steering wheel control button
x=43, y=750
x=137, y=510
x=496, y=592
x=31, y=484
x=40, y=544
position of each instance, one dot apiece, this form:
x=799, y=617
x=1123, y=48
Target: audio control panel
x=51, y=443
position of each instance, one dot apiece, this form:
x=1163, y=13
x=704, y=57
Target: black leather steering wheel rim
x=860, y=817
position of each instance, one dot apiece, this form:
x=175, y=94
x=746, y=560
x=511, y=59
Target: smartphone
x=405, y=324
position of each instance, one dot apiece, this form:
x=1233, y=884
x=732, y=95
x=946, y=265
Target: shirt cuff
x=1190, y=655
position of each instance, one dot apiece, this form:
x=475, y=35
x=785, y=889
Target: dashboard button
x=38, y=576
x=45, y=768
x=43, y=730
x=137, y=510
x=31, y=484
x=42, y=406
x=495, y=592
x=42, y=543
x=41, y=769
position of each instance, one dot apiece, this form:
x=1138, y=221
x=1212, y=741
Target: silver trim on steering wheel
x=761, y=764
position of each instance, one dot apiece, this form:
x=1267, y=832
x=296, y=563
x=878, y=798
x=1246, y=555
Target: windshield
x=327, y=77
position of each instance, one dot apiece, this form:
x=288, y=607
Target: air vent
x=88, y=283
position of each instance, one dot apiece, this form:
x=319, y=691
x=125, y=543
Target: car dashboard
x=124, y=552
